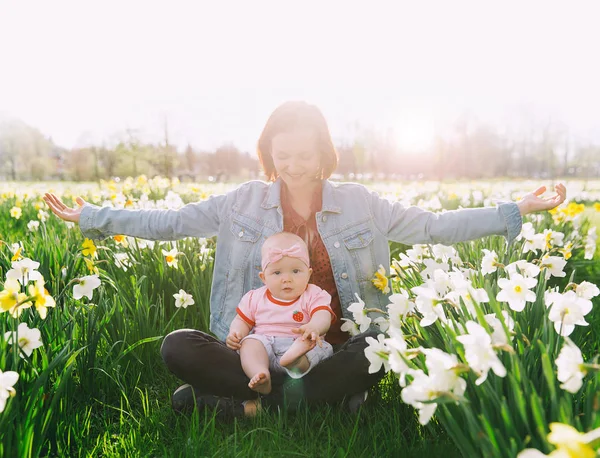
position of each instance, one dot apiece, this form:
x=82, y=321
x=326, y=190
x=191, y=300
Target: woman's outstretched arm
x=200, y=219
x=413, y=225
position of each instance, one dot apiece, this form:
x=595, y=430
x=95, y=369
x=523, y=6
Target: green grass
x=98, y=387
x=150, y=428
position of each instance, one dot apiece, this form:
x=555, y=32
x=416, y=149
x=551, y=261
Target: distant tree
x=25, y=153
x=228, y=158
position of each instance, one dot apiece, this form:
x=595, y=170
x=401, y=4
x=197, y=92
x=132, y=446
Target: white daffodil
x=428, y=303
x=590, y=243
x=489, y=263
x=570, y=367
x=567, y=311
x=173, y=201
x=441, y=282
x=43, y=216
x=139, y=243
x=397, y=358
x=522, y=267
x=171, y=257
x=516, y=291
x=86, y=286
x=24, y=271
x=479, y=353
x=553, y=266
x=359, y=314
x=28, y=339
x=527, y=232
x=418, y=252
x=533, y=242
x=350, y=327
x=534, y=453
x=553, y=238
x=551, y=296
x=446, y=254
x=183, y=299
x=463, y=289
x=400, y=305
x=419, y=394
x=587, y=290
x=382, y=323
x=122, y=261
x=405, y=262
x=499, y=336
x=7, y=381
x=431, y=265
x=33, y=225
x=442, y=380
x=377, y=353
x=42, y=299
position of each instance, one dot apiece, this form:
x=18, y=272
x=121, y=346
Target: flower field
x=490, y=350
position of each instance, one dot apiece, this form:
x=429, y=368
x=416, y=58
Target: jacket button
x=324, y=218
x=344, y=275
x=336, y=244
x=241, y=234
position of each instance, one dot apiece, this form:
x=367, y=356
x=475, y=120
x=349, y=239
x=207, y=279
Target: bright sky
x=216, y=69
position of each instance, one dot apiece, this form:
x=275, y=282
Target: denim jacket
x=354, y=223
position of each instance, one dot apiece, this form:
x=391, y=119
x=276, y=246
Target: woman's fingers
x=54, y=202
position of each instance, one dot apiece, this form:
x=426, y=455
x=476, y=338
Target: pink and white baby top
x=271, y=316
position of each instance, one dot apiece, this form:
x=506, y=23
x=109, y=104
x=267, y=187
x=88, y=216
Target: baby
x=288, y=316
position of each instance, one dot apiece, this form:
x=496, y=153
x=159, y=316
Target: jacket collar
x=273, y=197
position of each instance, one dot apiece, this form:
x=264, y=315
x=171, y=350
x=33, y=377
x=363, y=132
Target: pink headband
x=275, y=254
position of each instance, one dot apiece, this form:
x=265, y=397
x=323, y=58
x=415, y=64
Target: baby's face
x=286, y=278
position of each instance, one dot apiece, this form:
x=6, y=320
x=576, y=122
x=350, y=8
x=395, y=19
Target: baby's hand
x=308, y=332
x=233, y=341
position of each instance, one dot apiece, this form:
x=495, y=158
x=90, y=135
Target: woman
x=347, y=229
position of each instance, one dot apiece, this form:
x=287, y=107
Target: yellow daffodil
x=89, y=249
x=566, y=251
x=597, y=206
x=141, y=181
x=17, y=254
x=129, y=203
x=12, y=299
x=89, y=263
x=121, y=240
x=16, y=212
x=381, y=281
x=42, y=299
x=568, y=439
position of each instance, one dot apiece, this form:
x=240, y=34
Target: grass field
x=97, y=385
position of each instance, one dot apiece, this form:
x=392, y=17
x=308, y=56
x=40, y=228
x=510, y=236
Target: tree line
x=470, y=150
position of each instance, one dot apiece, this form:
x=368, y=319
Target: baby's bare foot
x=261, y=383
x=298, y=349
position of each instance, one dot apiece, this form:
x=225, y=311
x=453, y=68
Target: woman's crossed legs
x=211, y=368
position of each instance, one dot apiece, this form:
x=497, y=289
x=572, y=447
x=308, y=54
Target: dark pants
x=211, y=368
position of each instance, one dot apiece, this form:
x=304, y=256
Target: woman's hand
x=531, y=202
x=61, y=210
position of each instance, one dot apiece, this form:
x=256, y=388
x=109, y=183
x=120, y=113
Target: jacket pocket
x=360, y=247
x=242, y=232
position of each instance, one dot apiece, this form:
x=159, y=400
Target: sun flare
x=415, y=133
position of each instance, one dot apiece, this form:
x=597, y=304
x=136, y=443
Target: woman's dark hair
x=287, y=117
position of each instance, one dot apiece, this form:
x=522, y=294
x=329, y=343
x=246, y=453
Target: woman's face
x=296, y=157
